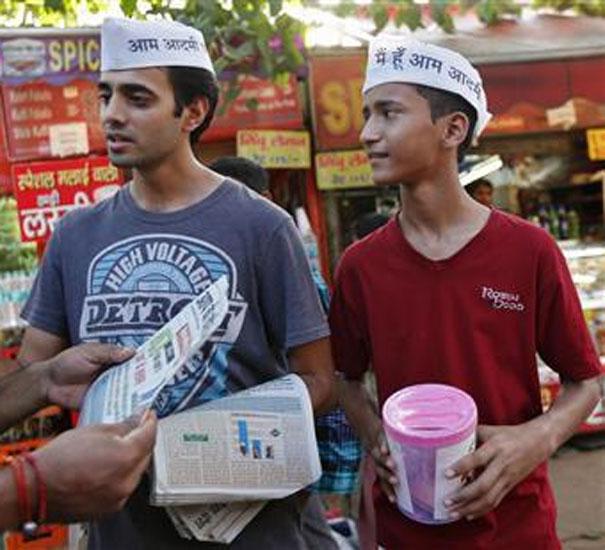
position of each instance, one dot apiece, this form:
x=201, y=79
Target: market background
x=291, y=101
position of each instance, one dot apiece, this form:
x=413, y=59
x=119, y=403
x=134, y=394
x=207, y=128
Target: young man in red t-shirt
x=452, y=292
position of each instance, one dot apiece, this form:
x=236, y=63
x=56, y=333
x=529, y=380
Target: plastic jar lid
x=429, y=415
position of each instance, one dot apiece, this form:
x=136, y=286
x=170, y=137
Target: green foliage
x=257, y=36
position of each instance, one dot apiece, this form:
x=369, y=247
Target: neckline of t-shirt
x=161, y=218
x=475, y=241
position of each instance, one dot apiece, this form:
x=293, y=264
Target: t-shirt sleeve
x=289, y=300
x=563, y=340
x=45, y=307
x=349, y=337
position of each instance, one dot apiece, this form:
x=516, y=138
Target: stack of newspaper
x=217, y=465
x=234, y=454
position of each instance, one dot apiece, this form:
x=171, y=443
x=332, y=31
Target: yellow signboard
x=343, y=170
x=275, y=148
x=596, y=143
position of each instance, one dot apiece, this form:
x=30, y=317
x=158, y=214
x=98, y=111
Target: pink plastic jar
x=428, y=428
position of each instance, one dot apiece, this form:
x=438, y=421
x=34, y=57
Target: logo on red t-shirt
x=500, y=299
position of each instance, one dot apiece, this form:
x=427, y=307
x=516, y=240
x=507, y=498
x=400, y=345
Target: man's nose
x=112, y=112
x=369, y=133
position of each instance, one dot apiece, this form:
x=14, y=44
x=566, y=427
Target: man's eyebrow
x=135, y=89
x=386, y=103
x=127, y=88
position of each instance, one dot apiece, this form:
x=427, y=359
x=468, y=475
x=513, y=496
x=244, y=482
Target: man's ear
x=455, y=129
x=194, y=114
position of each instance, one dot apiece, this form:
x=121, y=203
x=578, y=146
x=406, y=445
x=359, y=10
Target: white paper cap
x=131, y=44
x=403, y=59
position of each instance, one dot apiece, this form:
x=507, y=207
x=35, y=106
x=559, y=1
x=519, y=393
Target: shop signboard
x=336, y=100
x=596, y=143
x=5, y=175
x=52, y=56
x=45, y=191
x=49, y=81
x=343, y=170
x=275, y=148
x=36, y=112
x=261, y=104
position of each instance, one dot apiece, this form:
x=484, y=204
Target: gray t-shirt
x=117, y=273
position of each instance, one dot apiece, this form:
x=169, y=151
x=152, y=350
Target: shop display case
x=587, y=265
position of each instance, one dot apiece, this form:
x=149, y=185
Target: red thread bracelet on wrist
x=16, y=465
x=42, y=491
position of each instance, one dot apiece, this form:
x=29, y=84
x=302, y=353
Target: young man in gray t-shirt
x=118, y=271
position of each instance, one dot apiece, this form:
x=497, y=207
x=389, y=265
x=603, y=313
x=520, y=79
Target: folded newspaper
x=234, y=454
x=216, y=465
x=134, y=385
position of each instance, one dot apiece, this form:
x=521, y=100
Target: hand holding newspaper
x=133, y=386
x=217, y=465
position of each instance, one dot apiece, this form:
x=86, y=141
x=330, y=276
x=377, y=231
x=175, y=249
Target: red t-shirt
x=475, y=321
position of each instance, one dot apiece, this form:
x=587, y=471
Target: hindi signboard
x=45, y=191
x=343, y=170
x=275, y=148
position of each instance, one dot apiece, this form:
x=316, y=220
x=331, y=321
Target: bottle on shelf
x=573, y=224
x=563, y=222
x=553, y=221
x=544, y=219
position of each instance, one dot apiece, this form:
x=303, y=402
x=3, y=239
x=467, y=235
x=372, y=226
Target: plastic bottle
x=563, y=222
x=573, y=222
x=553, y=220
x=544, y=220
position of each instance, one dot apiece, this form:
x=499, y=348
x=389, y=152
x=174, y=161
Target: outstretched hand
x=68, y=375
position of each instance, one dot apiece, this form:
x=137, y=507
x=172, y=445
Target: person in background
x=248, y=172
x=450, y=291
x=118, y=271
x=255, y=177
x=368, y=223
x=482, y=191
x=339, y=448
x=86, y=472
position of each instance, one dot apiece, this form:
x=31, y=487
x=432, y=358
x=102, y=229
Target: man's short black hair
x=368, y=222
x=189, y=83
x=250, y=173
x=443, y=103
x=473, y=186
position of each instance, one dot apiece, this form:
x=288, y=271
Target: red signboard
x=336, y=100
x=32, y=109
x=45, y=191
x=277, y=108
x=5, y=179
x=51, y=56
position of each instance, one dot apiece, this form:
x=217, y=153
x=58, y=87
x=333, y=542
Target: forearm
x=313, y=363
x=7, y=366
x=22, y=393
x=321, y=390
x=574, y=404
x=360, y=410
